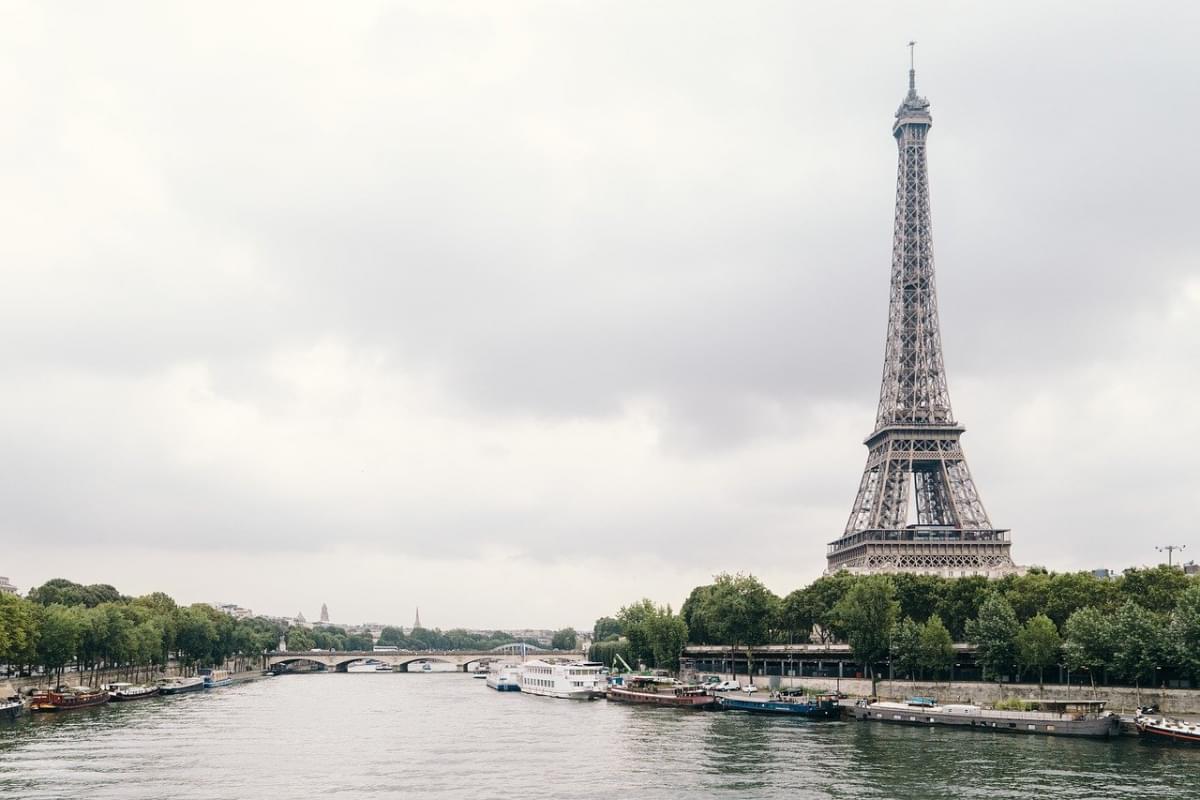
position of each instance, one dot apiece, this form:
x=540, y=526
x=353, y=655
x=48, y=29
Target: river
x=420, y=735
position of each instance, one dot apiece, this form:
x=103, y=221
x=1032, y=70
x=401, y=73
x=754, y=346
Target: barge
x=819, y=707
x=1165, y=729
x=656, y=691
x=1049, y=717
x=66, y=698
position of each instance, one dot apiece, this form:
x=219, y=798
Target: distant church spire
x=417, y=621
x=324, y=613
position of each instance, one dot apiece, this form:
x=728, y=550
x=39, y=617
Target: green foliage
x=1038, y=645
x=67, y=593
x=565, y=639
x=994, y=633
x=654, y=635
x=906, y=647
x=960, y=603
x=919, y=595
x=1013, y=704
x=737, y=609
x=1185, y=630
x=936, y=647
x=1139, y=642
x=1156, y=589
x=867, y=614
x=605, y=628
x=1090, y=641
x=18, y=630
x=692, y=615
x=821, y=597
x=606, y=652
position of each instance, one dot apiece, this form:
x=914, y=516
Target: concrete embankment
x=1120, y=698
x=27, y=686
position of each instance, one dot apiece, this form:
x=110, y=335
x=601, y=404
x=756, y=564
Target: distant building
x=6, y=587
x=417, y=621
x=233, y=610
x=324, y=614
x=1104, y=574
x=1190, y=568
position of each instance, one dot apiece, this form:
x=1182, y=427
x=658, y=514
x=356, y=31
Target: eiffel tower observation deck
x=915, y=466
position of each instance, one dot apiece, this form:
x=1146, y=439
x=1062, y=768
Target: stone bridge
x=463, y=660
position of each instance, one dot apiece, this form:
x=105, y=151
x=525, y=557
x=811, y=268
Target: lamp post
x=1170, y=551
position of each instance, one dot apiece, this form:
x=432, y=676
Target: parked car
x=726, y=686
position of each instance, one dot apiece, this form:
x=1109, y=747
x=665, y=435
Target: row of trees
x=95, y=627
x=1136, y=628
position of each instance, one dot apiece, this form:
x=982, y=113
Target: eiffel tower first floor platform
x=924, y=550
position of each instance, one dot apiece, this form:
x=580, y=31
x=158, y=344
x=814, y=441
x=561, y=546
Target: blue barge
x=823, y=707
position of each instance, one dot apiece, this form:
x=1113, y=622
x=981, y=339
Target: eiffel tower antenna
x=914, y=453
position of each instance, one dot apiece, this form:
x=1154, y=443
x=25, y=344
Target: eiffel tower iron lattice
x=914, y=454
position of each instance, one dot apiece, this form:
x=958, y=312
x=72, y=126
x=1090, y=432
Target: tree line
x=95, y=627
x=1137, y=627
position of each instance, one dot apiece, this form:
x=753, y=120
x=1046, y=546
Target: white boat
x=369, y=667
x=504, y=678
x=1051, y=717
x=576, y=680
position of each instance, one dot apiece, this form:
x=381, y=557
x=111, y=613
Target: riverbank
x=1122, y=699
x=27, y=686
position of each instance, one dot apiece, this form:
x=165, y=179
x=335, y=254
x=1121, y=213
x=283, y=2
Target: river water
x=449, y=736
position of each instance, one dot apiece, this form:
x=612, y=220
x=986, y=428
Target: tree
x=797, y=616
x=18, y=630
x=906, y=647
x=961, y=602
x=299, y=640
x=1072, y=591
x=994, y=633
x=1156, y=589
x=565, y=639
x=867, y=614
x=605, y=628
x=60, y=628
x=1139, y=643
x=918, y=595
x=1185, y=630
x=820, y=598
x=391, y=636
x=936, y=647
x=654, y=634
x=668, y=636
x=1038, y=645
x=1090, y=642
x=691, y=613
x=737, y=610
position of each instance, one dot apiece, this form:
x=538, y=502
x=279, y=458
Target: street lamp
x=1170, y=550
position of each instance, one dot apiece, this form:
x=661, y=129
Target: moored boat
x=577, y=680
x=10, y=702
x=504, y=678
x=215, y=678
x=660, y=691
x=819, y=707
x=123, y=692
x=66, y=698
x=180, y=685
x=1048, y=717
x=1165, y=729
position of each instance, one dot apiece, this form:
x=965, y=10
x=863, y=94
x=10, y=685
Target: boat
x=1164, y=729
x=660, y=691
x=10, y=702
x=479, y=676
x=1049, y=717
x=65, y=698
x=215, y=678
x=504, y=678
x=824, y=706
x=180, y=685
x=426, y=667
x=369, y=667
x=124, y=692
x=575, y=680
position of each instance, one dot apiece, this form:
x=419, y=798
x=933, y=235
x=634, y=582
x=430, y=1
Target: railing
x=918, y=535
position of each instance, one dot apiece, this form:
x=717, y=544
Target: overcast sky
x=521, y=311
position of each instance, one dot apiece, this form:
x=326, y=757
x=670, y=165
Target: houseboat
x=65, y=698
x=823, y=706
x=660, y=691
x=180, y=685
x=124, y=692
x=1049, y=717
x=1163, y=729
x=577, y=680
x=504, y=678
x=215, y=678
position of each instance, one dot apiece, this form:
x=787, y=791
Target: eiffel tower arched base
x=987, y=555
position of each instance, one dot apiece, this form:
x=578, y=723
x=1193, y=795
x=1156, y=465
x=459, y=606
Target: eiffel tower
x=916, y=439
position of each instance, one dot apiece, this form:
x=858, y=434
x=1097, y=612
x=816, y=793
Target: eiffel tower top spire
x=914, y=109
